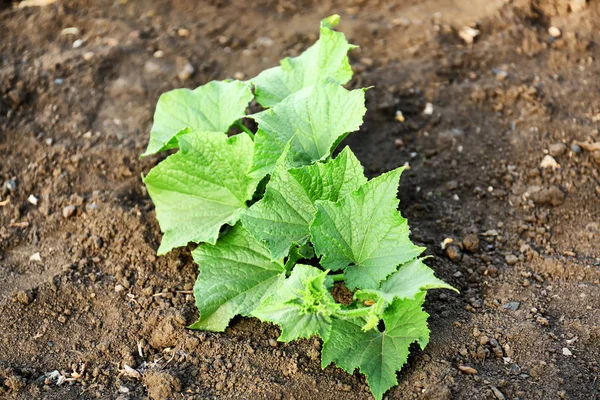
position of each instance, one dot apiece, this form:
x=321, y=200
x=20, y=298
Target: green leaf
x=283, y=216
x=312, y=122
x=378, y=354
x=302, y=305
x=410, y=279
x=236, y=275
x=213, y=107
x=326, y=59
x=363, y=233
x=201, y=188
x=296, y=253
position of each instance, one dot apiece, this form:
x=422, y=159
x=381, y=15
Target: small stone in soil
x=542, y=321
x=11, y=185
x=551, y=196
x=454, y=253
x=549, y=162
x=498, y=393
x=186, y=72
x=554, y=31
x=596, y=156
x=68, y=211
x=32, y=199
x=273, y=342
x=511, y=259
x=566, y=352
x=183, y=32
x=513, y=305
x=23, y=297
x=471, y=243
x=557, y=149
x=467, y=370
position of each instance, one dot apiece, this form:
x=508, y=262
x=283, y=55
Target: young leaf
x=213, y=107
x=378, y=354
x=283, y=216
x=363, y=233
x=326, y=59
x=410, y=279
x=201, y=188
x=312, y=121
x=236, y=275
x=302, y=305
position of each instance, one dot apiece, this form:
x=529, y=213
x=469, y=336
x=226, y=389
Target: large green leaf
x=363, y=233
x=311, y=122
x=213, y=107
x=410, y=279
x=201, y=188
x=283, y=216
x=326, y=59
x=236, y=275
x=378, y=354
x=302, y=305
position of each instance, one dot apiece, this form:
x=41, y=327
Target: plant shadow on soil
x=73, y=122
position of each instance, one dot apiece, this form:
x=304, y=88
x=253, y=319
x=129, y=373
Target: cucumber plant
x=279, y=220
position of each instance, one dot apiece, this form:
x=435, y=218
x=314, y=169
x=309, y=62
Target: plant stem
x=243, y=128
x=337, y=277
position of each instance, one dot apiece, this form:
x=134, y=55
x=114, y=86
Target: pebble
x=88, y=55
x=512, y=305
x=264, y=42
x=501, y=75
x=454, y=253
x=557, y=149
x=428, y=109
x=400, y=116
x=497, y=393
x=35, y=257
x=549, y=162
x=78, y=43
x=183, y=32
x=159, y=54
x=467, y=370
x=596, y=156
x=577, y=5
x=542, y=321
x=551, y=196
x=566, y=352
x=23, y=297
x=11, y=185
x=151, y=67
x=575, y=148
x=554, y=32
x=68, y=211
x=119, y=288
x=468, y=34
x=447, y=241
x=33, y=200
x=70, y=31
x=471, y=243
x=273, y=342
x=511, y=259
x=186, y=72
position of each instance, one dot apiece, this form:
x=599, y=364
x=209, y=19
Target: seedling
x=279, y=220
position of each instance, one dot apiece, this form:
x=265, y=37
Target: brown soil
x=71, y=131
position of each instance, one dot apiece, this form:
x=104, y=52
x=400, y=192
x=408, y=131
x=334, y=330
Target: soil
x=88, y=311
